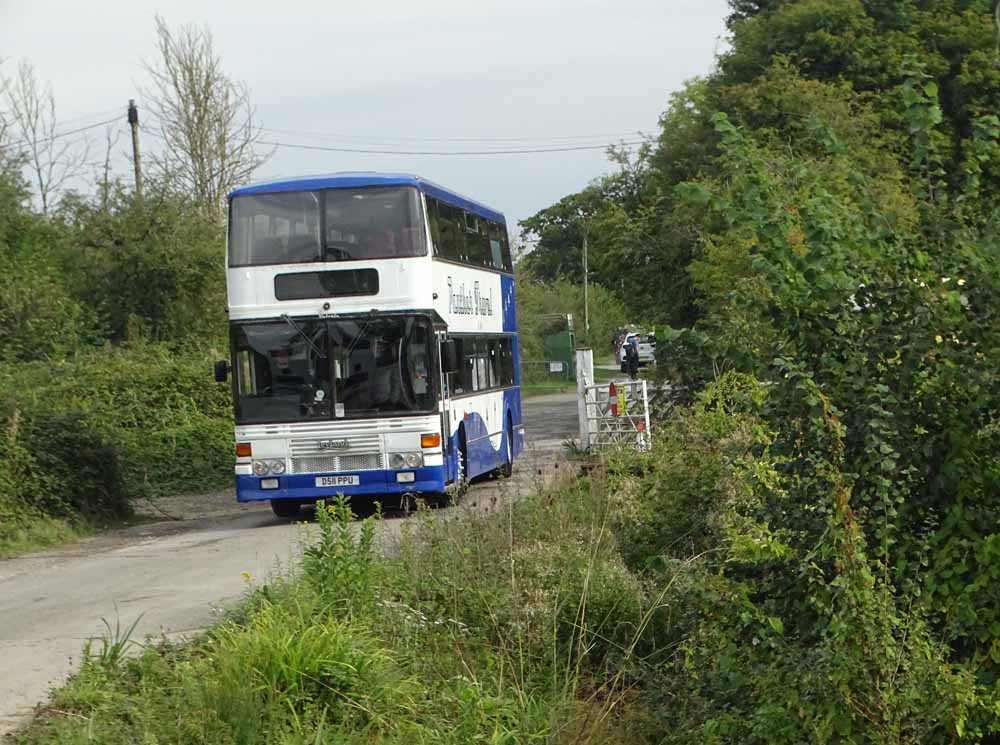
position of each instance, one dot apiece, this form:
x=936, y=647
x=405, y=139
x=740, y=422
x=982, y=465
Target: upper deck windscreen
x=293, y=227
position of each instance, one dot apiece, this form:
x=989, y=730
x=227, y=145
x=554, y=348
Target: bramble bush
x=861, y=294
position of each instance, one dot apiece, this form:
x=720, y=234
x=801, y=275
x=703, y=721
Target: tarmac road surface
x=177, y=576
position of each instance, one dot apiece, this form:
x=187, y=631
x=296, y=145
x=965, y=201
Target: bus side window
x=493, y=360
x=508, y=264
x=476, y=241
x=468, y=355
x=506, y=362
x=482, y=380
x=496, y=246
x=452, y=232
x=432, y=219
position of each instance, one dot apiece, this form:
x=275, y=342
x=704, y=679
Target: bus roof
x=370, y=178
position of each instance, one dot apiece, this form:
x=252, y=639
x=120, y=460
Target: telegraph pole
x=133, y=121
x=586, y=308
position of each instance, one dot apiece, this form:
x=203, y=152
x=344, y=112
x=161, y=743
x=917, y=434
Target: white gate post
x=584, y=378
x=647, y=436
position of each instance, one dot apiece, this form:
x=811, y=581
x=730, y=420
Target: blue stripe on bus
x=357, y=180
x=483, y=457
x=507, y=303
x=303, y=486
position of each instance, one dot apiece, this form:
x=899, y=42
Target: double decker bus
x=372, y=338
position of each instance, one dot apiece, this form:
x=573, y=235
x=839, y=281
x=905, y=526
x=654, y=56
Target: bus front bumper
x=429, y=479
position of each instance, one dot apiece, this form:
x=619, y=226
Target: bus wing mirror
x=221, y=371
x=449, y=356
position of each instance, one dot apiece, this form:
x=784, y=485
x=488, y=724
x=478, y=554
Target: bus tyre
x=285, y=507
x=507, y=470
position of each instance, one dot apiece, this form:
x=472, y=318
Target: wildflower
x=961, y=283
x=938, y=339
x=246, y=575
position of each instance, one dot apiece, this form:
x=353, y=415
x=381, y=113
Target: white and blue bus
x=373, y=339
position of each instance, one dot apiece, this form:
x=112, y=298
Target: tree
x=52, y=159
x=748, y=8
x=205, y=119
x=152, y=268
x=13, y=189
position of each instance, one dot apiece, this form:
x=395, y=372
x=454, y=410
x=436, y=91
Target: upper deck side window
x=459, y=235
x=353, y=224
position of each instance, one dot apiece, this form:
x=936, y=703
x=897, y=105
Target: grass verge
x=530, y=390
x=41, y=531
x=514, y=627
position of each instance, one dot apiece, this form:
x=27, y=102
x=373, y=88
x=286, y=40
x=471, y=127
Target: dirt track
x=178, y=574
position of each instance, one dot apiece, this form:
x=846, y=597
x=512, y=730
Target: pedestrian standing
x=632, y=357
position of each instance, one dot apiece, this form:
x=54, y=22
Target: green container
x=559, y=345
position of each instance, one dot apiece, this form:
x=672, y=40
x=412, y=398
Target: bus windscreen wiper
x=319, y=352
x=361, y=331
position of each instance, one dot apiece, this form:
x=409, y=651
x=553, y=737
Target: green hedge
x=84, y=436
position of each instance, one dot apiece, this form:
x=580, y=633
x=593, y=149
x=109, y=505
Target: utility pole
x=586, y=307
x=133, y=121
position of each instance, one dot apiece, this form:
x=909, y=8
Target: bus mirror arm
x=449, y=356
x=221, y=371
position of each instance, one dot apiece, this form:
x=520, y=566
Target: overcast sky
x=437, y=75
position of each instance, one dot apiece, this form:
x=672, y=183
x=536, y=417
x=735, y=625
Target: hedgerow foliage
x=108, y=314
x=825, y=209
x=842, y=511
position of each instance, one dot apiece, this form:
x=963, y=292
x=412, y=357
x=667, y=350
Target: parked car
x=647, y=349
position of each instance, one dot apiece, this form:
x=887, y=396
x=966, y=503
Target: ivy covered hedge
x=828, y=506
x=84, y=436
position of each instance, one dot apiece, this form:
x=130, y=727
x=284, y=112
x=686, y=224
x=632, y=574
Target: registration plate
x=338, y=480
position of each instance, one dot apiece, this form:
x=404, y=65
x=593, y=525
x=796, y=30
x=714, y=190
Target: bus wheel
x=407, y=504
x=285, y=507
x=507, y=470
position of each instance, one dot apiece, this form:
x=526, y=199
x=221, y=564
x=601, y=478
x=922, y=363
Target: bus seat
x=302, y=248
x=409, y=239
x=382, y=245
x=269, y=250
x=384, y=386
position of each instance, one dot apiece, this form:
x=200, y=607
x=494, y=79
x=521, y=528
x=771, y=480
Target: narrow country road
x=177, y=576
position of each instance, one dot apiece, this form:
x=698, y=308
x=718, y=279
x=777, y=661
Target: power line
x=523, y=151
x=58, y=135
x=378, y=151
x=389, y=138
x=369, y=142
x=95, y=115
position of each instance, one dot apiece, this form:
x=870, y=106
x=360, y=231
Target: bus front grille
x=336, y=463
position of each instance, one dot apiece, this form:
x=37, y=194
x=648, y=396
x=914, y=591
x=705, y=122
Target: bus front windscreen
x=296, y=227
x=289, y=371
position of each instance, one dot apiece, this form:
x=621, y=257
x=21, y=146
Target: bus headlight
x=406, y=460
x=277, y=467
x=260, y=467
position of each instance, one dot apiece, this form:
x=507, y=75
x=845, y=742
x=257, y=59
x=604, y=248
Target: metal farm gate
x=614, y=414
